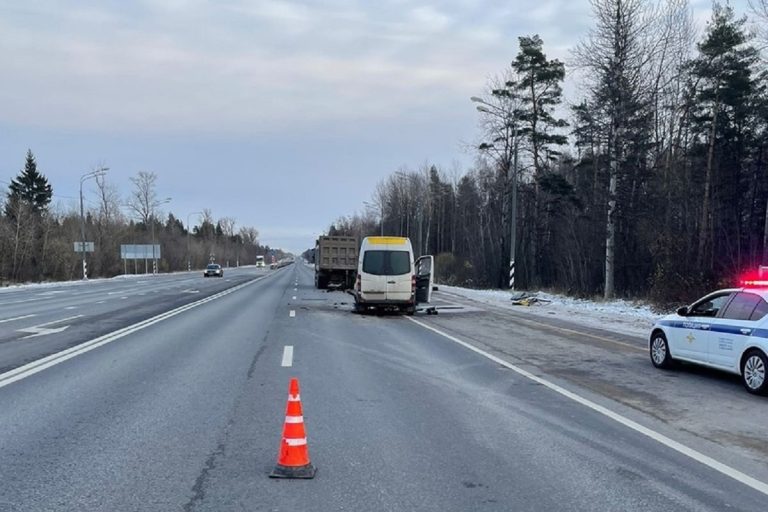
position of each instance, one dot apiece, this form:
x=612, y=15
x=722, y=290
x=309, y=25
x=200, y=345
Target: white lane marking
x=660, y=438
x=58, y=321
x=18, y=301
x=15, y=318
x=71, y=307
x=287, y=356
x=292, y=314
x=123, y=298
x=295, y=289
x=293, y=298
x=43, y=330
x=100, y=302
x=34, y=367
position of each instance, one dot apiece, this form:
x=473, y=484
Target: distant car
x=726, y=330
x=214, y=270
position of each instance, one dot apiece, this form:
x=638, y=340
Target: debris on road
x=527, y=299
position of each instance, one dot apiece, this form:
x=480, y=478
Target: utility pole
x=101, y=171
x=511, y=182
x=152, y=220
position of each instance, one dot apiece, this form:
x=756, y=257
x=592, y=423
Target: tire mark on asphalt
x=198, y=489
x=257, y=356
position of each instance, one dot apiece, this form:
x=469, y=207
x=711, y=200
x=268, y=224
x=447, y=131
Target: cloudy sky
x=281, y=114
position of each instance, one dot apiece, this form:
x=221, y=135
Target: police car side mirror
x=683, y=311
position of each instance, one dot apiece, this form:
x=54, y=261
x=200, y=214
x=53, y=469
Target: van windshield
x=387, y=263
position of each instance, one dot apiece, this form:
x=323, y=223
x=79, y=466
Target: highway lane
x=186, y=415
x=36, y=321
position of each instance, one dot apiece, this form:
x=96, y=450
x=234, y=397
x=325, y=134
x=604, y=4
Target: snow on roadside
x=51, y=284
x=622, y=316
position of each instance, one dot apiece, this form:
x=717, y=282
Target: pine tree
x=538, y=86
x=30, y=188
x=723, y=96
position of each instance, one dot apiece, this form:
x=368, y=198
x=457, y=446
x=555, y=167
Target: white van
x=389, y=278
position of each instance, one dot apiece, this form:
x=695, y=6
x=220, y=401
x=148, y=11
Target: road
x=473, y=409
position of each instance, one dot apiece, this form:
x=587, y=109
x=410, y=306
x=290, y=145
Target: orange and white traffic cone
x=293, y=459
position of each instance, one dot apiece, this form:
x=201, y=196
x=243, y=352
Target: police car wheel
x=660, y=351
x=753, y=372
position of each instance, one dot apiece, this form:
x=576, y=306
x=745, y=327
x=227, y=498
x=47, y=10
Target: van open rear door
x=424, y=279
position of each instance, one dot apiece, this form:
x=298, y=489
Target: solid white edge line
x=39, y=365
x=287, y=356
x=660, y=438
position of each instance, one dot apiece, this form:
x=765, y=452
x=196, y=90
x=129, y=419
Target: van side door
x=424, y=279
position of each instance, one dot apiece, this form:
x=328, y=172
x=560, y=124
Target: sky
x=283, y=115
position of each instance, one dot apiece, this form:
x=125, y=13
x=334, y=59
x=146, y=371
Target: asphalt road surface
x=173, y=398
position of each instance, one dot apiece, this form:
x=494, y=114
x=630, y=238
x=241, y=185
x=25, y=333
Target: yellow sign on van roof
x=387, y=240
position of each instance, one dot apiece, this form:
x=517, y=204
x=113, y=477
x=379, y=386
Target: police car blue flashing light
x=726, y=330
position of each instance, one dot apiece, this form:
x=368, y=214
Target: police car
x=726, y=330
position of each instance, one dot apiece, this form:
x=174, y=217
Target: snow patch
x=632, y=318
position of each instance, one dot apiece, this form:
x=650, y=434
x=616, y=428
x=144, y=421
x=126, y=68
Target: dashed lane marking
x=5, y=320
x=292, y=313
x=287, y=356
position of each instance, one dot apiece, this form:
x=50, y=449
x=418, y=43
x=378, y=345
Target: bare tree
x=249, y=235
x=109, y=199
x=759, y=10
x=143, y=197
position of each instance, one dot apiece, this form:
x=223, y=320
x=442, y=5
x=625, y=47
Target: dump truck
x=335, y=262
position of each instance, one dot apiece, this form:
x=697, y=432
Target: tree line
x=37, y=242
x=654, y=183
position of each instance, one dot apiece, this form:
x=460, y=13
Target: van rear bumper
x=383, y=302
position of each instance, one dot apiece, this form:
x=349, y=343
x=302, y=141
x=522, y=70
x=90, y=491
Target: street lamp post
x=487, y=108
x=189, y=252
x=152, y=219
x=101, y=171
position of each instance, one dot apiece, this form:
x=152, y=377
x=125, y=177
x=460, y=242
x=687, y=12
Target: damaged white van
x=388, y=278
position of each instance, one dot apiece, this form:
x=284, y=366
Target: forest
x=37, y=241
x=652, y=183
